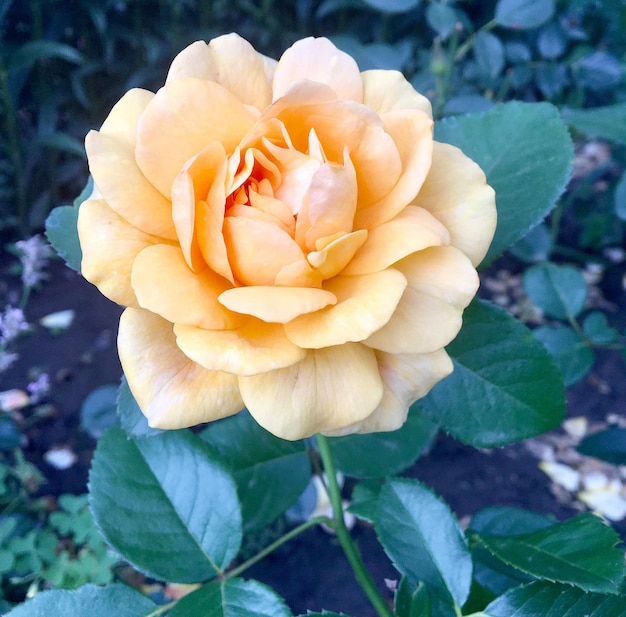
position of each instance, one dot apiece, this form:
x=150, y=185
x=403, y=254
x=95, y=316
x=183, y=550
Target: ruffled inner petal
x=329, y=389
x=334, y=257
x=254, y=348
x=276, y=304
x=457, y=193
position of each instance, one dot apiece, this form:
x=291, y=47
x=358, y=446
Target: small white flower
x=11, y=400
x=12, y=324
x=34, y=254
x=39, y=388
x=60, y=458
x=59, y=321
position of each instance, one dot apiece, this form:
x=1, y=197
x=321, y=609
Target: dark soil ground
x=309, y=572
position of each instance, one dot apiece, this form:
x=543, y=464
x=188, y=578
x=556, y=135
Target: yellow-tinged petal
x=125, y=188
x=257, y=249
x=165, y=285
x=276, y=304
x=334, y=257
x=229, y=61
x=185, y=115
x=109, y=246
x=385, y=91
x=442, y=282
x=457, y=193
x=171, y=390
x=406, y=378
x=364, y=305
x=414, y=229
x=317, y=59
x=411, y=131
x=329, y=389
x=254, y=348
x=210, y=221
x=298, y=274
x=121, y=122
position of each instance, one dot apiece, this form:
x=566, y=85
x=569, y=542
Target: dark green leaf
x=131, y=418
x=323, y=614
x=467, y=103
x=620, y=197
x=384, y=454
x=32, y=51
x=392, y=6
x=166, y=504
x=63, y=143
x=560, y=291
x=604, y=122
x=112, y=601
x=364, y=500
x=608, y=445
x=10, y=435
x=573, y=358
x=504, y=387
x=552, y=41
x=489, y=54
x=535, y=246
x=442, y=18
x=424, y=540
x=526, y=152
x=98, y=411
x=232, y=598
x=579, y=552
x=596, y=328
x=410, y=601
x=523, y=14
x=542, y=599
x=62, y=235
x=271, y=473
x=508, y=521
x=598, y=71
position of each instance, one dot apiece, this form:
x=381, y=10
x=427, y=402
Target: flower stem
x=343, y=535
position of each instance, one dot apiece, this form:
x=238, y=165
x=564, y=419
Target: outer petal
x=110, y=245
x=414, y=229
x=329, y=389
x=255, y=348
x=165, y=285
x=406, y=378
x=276, y=304
x=442, y=282
x=171, y=390
x=365, y=304
x=317, y=59
x=122, y=120
x=120, y=181
x=184, y=116
x=385, y=91
x=457, y=193
x=230, y=61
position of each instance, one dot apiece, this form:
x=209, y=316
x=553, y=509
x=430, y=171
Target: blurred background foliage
x=64, y=63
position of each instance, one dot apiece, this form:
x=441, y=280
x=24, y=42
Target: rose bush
x=287, y=237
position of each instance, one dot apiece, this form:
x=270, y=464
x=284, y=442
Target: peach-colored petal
x=121, y=122
x=456, y=192
x=276, y=304
x=229, y=61
x=442, y=282
x=110, y=245
x=254, y=348
x=330, y=204
x=364, y=305
x=257, y=250
x=411, y=131
x=329, y=389
x=172, y=391
x=412, y=230
x=185, y=115
x=406, y=378
x=298, y=274
x=192, y=184
x=125, y=188
x=165, y=285
x=275, y=209
x=385, y=91
x=209, y=232
x=334, y=257
x=317, y=59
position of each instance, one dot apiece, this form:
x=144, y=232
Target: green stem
x=343, y=535
x=276, y=544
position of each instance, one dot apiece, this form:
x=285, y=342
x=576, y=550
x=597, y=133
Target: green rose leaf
x=232, y=598
x=560, y=291
x=423, y=539
x=323, y=614
x=579, y=552
x=597, y=330
x=166, y=504
x=504, y=387
x=541, y=599
x=392, y=6
x=620, y=198
x=442, y=18
x=131, y=418
x=384, y=454
x=523, y=14
x=364, y=500
x=568, y=350
x=604, y=122
x=608, y=445
x=97, y=411
x=489, y=54
x=112, y=601
x=270, y=473
x=410, y=602
x=526, y=153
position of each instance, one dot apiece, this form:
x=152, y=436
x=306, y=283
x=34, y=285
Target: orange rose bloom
x=286, y=236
